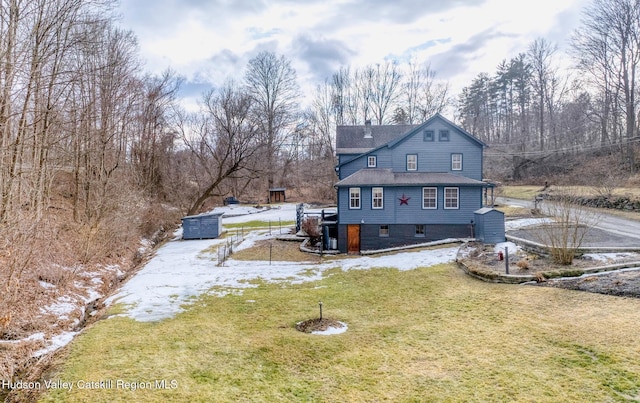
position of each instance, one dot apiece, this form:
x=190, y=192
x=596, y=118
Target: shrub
x=311, y=227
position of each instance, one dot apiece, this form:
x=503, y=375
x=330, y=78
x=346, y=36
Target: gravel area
x=624, y=283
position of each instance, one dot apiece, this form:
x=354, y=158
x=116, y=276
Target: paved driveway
x=609, y=231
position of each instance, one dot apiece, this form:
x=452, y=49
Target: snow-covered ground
x=182, y=270
x=524, y=223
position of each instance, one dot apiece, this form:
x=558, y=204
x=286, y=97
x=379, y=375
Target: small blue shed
x=489, y=225
x=202, y=226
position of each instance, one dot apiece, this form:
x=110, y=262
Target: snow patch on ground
x=609, y=257
x=62, y=308
x=57, y=341
x=525, y=222
x=502, y=246
x=332, y=330
x=182, y=270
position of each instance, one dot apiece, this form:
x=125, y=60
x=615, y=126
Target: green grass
x=528, y=192
x=431, y=334
x=520, y=192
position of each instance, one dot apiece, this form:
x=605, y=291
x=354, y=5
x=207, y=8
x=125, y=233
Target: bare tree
x=271, y=83
x=340, y=82
x=566, y=232
x=222, y=139
x=322, y=118
x=540, y=53
x=385, y=86
x=154, y=143
x=422, y=97
x=608, y=46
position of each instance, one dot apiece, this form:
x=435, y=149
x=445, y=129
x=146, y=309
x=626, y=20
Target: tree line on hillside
x=530, y=107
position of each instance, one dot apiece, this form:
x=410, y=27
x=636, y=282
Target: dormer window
x=412, y=162
x=372, y=161
x=428, y=135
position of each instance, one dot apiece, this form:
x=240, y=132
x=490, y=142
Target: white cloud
x=209, y=41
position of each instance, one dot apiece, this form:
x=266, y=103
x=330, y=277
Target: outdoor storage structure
x=203, y=226
x=489, y=225
x=277, y=195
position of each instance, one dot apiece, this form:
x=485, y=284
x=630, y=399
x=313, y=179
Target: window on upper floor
x=383, y=230
x=354, y=198
x=428, y=135
x=451, y=198
x=443, y=135
x=456, y=162
x=377, y=198
x=412, y=162
x=430, y=198
x=372, y=161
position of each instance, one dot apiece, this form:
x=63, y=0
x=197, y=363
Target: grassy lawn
x=528, y=192
x=431, y=334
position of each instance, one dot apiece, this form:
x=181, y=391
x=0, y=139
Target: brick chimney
x=367, y=129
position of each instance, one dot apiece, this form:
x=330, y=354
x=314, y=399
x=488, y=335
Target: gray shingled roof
x=351, y=140
x=386, y=177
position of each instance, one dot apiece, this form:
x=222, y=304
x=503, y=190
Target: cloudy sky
x=207, y=41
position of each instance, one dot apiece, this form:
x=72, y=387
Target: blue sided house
x=409, y=184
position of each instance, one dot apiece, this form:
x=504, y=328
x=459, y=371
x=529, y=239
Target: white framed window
x=456, y=162
x=451, y=196
x=377, y=198
x=429, y=198
x=420, y=230
x=412, y=162
x=354, y=198
x=372, y=161
x=383, y=231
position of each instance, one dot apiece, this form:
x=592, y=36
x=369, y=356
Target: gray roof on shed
x=203, y=215
x=486, y=210
x=386, y=177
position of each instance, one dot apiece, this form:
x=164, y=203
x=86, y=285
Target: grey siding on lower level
x=401, y=235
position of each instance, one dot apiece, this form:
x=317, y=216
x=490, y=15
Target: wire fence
x=235, y=238
x=232, y=241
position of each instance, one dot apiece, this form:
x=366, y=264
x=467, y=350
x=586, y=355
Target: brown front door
x=353, y=238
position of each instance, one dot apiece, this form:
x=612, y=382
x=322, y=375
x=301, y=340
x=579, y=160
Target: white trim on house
x=450, y=198
x=377, y=198
x=355, y=198
x=433, y=198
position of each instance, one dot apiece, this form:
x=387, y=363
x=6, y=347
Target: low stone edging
x=493, y=276
x=541, y=249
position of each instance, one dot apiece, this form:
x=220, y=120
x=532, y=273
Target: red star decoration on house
x=404, y=200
